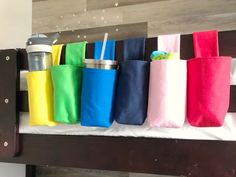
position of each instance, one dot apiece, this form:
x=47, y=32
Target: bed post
x=9, y=84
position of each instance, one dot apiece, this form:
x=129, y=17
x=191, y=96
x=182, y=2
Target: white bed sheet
x=226, y=132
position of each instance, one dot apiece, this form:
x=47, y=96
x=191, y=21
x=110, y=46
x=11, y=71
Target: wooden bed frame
x=198, y=158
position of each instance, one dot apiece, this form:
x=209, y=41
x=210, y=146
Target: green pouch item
x=67, y=90
x=67, y=80
x=75, y=53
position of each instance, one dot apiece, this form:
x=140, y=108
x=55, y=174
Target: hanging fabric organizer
x=132, y=85
x=67, y=84
x=208, y=82
x=167, y=86
x=40, y=88
x=56, y=54
x=165, y=91
x=98, y=90
x=40, y=92
x=109, y=52
x=98, y=97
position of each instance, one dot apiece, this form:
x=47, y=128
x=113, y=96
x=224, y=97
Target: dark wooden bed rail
x=198, y=158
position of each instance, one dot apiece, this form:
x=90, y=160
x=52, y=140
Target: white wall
x=15, y=23
x=15, y=28
x=12, y=170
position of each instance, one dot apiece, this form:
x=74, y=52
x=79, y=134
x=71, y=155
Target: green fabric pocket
x=67, y=81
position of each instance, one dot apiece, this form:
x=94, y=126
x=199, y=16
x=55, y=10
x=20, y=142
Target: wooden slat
x=191, y=158
x=232, y=104
x=22, y=101
x=49, y=171
x=38, y=0
x=118, y=32
x=56, y=15
x=151, y=45
x=93, y=4
x=9, y=81
x=186, y=46
x=30, y=171
x=57, y=8
x=22, y=59
x=74, y=20
x=227, y=45
x=162, y=16
x=191, y=23
x=177, y=9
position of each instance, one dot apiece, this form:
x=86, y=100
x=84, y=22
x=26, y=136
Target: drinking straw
x=104, y=46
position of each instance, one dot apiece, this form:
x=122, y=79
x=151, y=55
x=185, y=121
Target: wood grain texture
x=30, y=171
x=42, y=171
x=47, y=171
x=38, y=0
x=93, y=4
x=146, y=175
x=162, y=16
x=9, y=81
x=191, y=158
x=118, y=32
x=192, y=23
x=166, y=10
x=76, y=20
x=50, y=8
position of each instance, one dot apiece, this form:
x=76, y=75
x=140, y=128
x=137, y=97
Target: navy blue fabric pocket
x=132, y=92
x=134, y=49
x=98, y=90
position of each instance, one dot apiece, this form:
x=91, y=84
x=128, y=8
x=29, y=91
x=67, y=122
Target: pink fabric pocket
x=208, y=82
x=167, y=93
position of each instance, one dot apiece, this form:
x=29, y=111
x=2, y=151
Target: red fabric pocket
x=208, y=90
x=206, y=44
x=208, y=84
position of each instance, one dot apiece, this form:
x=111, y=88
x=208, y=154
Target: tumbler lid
x=41, y=43
x=39, y=48
x=101, y=62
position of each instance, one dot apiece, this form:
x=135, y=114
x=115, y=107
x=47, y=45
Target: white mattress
x=226, y=132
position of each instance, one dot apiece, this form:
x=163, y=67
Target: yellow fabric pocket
x=56, y=54
x=40, y=93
